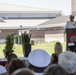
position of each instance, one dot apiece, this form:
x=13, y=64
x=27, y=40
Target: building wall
x=73, y=6
x=48, y=35
x=5, y=32
x=57, y=35
x=38, y=35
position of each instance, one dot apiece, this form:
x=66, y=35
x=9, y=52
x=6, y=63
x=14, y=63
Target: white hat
x=67, y=60
x=2, y=69
x=71, y=44
x=39, y=58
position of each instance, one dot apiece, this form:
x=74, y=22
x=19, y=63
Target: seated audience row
x=40, y=63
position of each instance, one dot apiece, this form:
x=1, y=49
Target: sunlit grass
x=48, y=47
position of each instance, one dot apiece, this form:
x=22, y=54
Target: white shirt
x=70, y=24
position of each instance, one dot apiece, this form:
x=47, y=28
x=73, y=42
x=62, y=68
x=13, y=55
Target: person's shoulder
x=68, y=21
x=6, y=73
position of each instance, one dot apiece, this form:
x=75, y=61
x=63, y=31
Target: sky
x=62, y=5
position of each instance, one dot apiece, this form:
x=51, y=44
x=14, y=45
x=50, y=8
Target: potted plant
x=9, y=45
x=26, y=38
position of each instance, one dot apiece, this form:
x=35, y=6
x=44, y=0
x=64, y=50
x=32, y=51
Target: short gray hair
x=67, y=60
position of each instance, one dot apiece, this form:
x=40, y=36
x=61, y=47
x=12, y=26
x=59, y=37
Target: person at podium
x=70, y=30
x=71, y=23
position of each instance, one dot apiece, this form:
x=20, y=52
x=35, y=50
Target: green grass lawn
x=48, y=47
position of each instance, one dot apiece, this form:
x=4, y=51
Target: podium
x=70, y=36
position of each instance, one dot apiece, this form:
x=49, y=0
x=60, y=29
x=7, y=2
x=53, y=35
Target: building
x=15, y=19
x=54, y=29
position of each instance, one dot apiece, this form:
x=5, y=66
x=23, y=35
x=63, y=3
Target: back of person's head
x=58, y=47
x=11, y=56
x=67, y=60
x=55, y=70
x=23, y=71
x=15, y=64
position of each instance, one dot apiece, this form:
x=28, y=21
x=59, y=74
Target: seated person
x=14, y=65
x=55, y=70
x=58, y=50
x=9, y=58
x=67, y=60
x=71, y=47
x=23, y=71
x=39, y=60
x=2, y=69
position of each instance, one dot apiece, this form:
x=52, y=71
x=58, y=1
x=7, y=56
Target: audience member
x=55, y=70
x=23, y=71
x=14, y=65
x=75, y=45
x=2, y=69
x=71, y=47
x=39, y=60
x=9, y=58
x=58, y=50
x=75, y=72
x=67, y=60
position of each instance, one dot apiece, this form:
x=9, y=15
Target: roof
x=26, y=23
x=33, y=23
x=11, y=7
x=59, y=21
